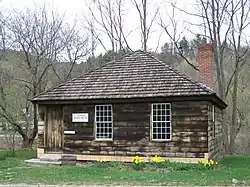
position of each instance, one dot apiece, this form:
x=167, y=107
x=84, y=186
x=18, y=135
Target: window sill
x=103, y=140
x=169, y=140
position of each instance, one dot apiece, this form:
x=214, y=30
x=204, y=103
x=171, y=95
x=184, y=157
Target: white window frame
x=104, y=139
x=170, y=121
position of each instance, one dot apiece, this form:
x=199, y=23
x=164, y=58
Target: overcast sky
x=77, y=9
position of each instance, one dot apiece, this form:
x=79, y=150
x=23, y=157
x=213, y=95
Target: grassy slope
x=13, y=170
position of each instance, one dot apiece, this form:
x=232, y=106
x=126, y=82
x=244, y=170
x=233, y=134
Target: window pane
x=164, y=130
x=110, y=130
x=158, y=118
x=159, y=130
x=154, y=130
x=164, y=125
x=168, y=124
x=158, y=106
x=154, y=118
x=164, y=136
x=154, y=136
x=163, y=112
x=159, y=136
x=168, y=130
x=163, y=107
x=158, y=112
x=109, y=113
x=163, y=118
x=167, y=106
x=167, y=118
x=168, y=136
x=168, y=112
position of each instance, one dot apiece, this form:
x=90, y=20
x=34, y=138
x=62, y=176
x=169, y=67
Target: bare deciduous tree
x=107, y=16
x=240, y=9
x=174, y=35
x=224, y=24
x=41, y=39
x=145, y=23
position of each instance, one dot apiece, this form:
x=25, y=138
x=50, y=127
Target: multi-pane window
x=161, y=121
x=103, y=122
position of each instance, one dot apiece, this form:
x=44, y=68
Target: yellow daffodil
x=101, y=160
x=208, y=163
x=158, y=159
x=137, y=160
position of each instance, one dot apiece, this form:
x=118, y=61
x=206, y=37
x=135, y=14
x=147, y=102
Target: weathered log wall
x=215, y=136
x=193, y=132
x=132, y=131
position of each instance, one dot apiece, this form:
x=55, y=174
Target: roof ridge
x=204, y=87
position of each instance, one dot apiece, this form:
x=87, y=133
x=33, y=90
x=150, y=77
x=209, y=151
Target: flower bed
x=157, y=163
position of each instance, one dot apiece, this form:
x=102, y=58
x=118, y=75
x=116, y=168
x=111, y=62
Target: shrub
x=3, y=155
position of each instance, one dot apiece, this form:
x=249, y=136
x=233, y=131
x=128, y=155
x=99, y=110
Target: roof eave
x=218, y=101
x=212, y=97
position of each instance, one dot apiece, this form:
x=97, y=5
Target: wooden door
x=54, y=128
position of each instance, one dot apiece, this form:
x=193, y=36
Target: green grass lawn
x=13, y=170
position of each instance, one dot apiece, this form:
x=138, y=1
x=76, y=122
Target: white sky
x=77, y=9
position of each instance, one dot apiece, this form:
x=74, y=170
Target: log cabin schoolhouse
x=135, y=105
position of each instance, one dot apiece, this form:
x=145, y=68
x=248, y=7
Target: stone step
x=53, y=159
x=43, y=162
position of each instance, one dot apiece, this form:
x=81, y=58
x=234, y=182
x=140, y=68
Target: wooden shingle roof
x=136, y=75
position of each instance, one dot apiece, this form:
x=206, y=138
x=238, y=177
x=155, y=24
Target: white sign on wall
x=80, y=117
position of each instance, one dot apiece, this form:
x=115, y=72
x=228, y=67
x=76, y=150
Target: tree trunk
x=35, y=125
x=225, y=132
x=27, y=143
x=145, y=25
x=234, y=109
